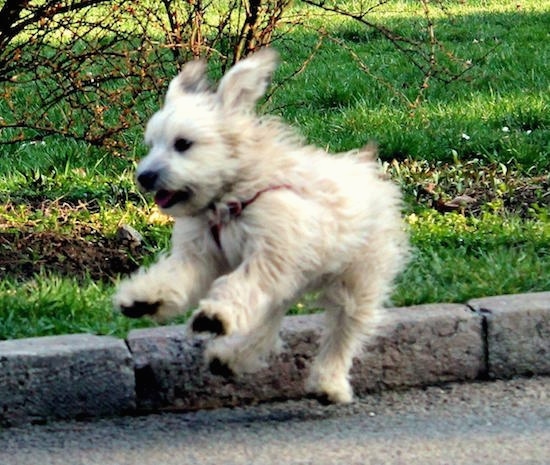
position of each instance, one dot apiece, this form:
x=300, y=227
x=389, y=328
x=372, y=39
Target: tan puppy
x=261, y=218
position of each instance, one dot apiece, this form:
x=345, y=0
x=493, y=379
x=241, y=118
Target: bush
x=85, y=69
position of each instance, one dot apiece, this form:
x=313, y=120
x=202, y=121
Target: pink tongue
x=163, y=197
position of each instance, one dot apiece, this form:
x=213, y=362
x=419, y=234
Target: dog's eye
x=181, y=144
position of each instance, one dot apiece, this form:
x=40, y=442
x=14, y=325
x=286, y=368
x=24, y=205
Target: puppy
x=261, y=218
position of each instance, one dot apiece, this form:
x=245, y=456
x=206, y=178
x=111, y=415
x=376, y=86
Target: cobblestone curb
x=154, y=369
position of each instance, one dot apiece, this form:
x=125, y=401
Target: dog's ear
x=247, y=81
x=191, y=79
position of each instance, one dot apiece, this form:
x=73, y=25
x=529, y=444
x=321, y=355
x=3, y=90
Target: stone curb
x=155, y=369
x=517, y=333
x=71, y=376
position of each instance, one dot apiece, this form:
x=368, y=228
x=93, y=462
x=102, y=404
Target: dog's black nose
x=147, y=179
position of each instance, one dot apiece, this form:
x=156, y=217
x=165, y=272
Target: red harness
x=232, y=210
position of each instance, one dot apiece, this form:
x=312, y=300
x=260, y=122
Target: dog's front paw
x=220, y=368
x=203, y=323
x=133, y=300
x=212, y=317
x=139, y=308
x=234, y=355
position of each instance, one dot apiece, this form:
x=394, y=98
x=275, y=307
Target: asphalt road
x=481, y=423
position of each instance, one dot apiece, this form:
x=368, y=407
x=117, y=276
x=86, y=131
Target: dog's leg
x=248, y=352
x=353, y=304
x=246, y=308
x=170, y=287
x=176, y=282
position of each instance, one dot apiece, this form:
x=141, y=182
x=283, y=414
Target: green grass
x=487, y=134
x=456, y=258
x=507, y=86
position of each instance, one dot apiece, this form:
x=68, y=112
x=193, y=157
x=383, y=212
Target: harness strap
x=223, y=213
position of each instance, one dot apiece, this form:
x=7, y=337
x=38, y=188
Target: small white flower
x=505, y=129
x=528, y=131
x=465, y=136
x=33, y=142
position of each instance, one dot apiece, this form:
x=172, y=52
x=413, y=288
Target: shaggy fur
x=260, y=218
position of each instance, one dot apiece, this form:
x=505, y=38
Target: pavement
x=504, y=422
x=156, y=370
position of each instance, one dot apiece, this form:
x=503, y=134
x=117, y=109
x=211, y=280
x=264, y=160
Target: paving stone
x=423, y=345
x=415, y=346
x=68, y=376
x=518, y=333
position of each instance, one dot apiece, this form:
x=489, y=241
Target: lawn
x=472, y=158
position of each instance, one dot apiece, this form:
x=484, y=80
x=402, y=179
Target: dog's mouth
x=166, y=199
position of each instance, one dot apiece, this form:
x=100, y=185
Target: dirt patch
x=87, y=252
x=23, y=254
x=522, y=198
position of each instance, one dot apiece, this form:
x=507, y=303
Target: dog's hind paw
x=323, y=399
x=329, y=390
x=332, y=396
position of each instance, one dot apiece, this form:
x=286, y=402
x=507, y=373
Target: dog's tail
x=368, y=153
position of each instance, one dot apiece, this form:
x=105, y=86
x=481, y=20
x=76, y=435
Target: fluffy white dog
x=260, y=218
